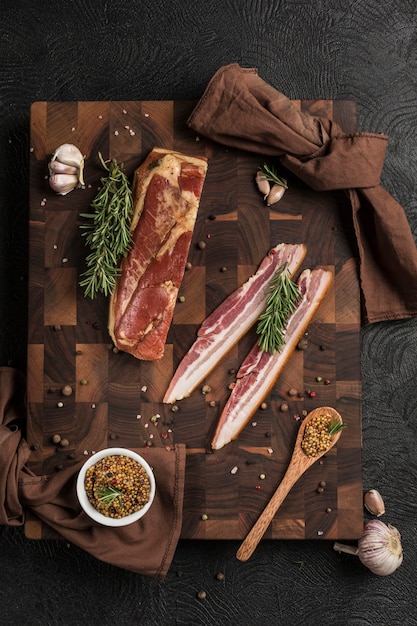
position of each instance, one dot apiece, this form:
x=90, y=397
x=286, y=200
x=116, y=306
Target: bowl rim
x=86, y=504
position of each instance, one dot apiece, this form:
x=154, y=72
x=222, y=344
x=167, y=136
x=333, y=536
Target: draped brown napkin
x=145, y=547
x=241, y=110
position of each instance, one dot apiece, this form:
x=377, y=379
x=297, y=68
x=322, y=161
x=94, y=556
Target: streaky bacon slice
x=230, y=321
x=166, y=192
x=260, y=370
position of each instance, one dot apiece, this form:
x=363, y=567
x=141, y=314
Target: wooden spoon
x=299, y=463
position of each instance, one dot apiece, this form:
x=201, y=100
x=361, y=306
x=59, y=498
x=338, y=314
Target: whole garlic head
x=66, y=169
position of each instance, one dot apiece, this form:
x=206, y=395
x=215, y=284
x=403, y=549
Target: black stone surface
x=365, y=50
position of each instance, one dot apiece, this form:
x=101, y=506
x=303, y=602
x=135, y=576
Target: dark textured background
x=156, y=50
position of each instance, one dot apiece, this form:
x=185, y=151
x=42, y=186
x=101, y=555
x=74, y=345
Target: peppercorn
x=292, y=391
x=220, y=576
x=284, y=407
x=201, y=245
x=204, y=517
x=181, y=299
x=205, y=389
x=302, y=344
x=56, y=438
x=64, y=443
x=67, y=390
x=201, y=595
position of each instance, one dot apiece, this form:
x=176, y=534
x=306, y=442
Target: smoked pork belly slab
x=230, y=321
x=166, y=194
x=260, y=369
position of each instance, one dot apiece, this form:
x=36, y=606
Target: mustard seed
x=316, y=438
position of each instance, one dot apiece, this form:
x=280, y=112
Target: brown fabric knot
x=352, y=161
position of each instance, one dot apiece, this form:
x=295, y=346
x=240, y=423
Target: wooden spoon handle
x=258, y=530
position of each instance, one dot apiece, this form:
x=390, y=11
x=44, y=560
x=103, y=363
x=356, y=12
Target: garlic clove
x=63, y=183
x=374, y=503
x=56, y=167
x=275, y=194
x=262, y=183
x=68, y=154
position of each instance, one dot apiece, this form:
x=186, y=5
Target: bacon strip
x=260, y=370
x=230, y=321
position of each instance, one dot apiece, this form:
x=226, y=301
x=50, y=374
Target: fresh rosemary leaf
x=335, y=426
x=108, y=494
x=271, y=176
x=108, y=232
x=281, y=302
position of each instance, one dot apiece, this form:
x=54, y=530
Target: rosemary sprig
x=271, y=176
x=281, y=302
x=108, y=494
x=108, y=234
x=335, y=426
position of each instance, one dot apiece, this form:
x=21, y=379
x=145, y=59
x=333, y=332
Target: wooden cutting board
x=121, y=403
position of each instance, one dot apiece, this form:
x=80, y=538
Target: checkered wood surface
x=120, y=404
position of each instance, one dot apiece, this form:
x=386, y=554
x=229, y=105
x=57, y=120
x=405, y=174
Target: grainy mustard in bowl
x=116, y=487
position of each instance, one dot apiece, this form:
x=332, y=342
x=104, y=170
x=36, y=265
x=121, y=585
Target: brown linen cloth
x=240, y=110
x=145, y=547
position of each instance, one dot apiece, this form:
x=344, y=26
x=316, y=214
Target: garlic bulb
x=66, y=169
x=374, y=503
x=379, y=548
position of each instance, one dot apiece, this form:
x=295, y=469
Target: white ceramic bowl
x=88, y=507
